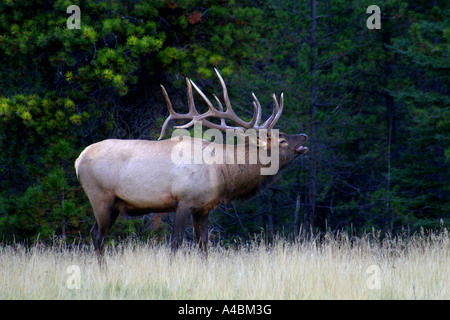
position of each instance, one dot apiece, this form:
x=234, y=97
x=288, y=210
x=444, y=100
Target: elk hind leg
x=105, y=215
x=201, y=230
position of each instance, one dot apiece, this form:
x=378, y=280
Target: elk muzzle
x=302, y=138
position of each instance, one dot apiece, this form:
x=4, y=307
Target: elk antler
x=229, y=113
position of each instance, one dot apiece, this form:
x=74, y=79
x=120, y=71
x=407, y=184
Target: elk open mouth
x=302, y=149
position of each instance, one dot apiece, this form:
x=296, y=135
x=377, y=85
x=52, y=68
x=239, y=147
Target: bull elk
x=136, y=177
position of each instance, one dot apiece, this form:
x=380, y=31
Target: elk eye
x=283, y=141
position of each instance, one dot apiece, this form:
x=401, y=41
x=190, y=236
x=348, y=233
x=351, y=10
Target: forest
x=374, y=103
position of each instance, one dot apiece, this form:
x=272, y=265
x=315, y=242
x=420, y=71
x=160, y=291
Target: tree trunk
x=309, y=222
x=391, y=125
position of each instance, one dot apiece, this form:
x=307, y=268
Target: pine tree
x=421, y=175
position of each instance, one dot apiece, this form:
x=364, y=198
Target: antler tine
x=191, y=103
x=258, y=110
x=208, y=102
x=171, y=113
x=222, y=120
x=194, y=115
x=276, y=114
x=213, y=112
x=231, y=115
x=279, y=108
x=225, y=91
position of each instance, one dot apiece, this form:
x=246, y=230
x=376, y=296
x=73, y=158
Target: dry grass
x=407, y=268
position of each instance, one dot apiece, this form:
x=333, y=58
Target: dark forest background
x=374, y=103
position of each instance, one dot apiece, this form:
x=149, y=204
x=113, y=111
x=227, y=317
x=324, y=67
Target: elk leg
x=94, y=235
x=179, y=226
x=105, y=216
x=98, y=241
x=201, y=230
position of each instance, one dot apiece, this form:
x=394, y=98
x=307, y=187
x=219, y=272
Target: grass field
x=417, y=267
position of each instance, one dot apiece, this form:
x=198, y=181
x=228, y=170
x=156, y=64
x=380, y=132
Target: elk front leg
x=201, y=230
x=179, y=226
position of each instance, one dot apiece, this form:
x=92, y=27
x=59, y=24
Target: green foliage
x=423, y=174
x=63, y=89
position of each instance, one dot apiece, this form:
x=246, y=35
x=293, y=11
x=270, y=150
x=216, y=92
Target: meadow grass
x=335, y=267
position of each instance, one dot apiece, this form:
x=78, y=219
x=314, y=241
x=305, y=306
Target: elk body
x=136, y=177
